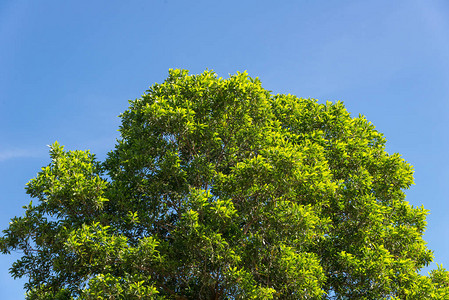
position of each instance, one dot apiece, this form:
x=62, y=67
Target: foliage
x=218, y=189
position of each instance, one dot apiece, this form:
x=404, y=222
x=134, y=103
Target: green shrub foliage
x=218, y=189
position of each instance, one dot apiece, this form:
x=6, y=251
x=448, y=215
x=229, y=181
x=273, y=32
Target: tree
x=218, y=189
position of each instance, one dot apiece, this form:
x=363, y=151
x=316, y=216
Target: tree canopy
x=218, y=189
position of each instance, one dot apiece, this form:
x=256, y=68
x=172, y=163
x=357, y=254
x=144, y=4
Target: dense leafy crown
x=218, y=189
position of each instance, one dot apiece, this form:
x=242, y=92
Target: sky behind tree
x=67, y=69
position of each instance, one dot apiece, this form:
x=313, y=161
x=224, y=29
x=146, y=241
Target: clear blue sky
x=67, y=69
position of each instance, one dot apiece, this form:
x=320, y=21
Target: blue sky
x=67, y=69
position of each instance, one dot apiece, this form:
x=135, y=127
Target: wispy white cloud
x=7, y=154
